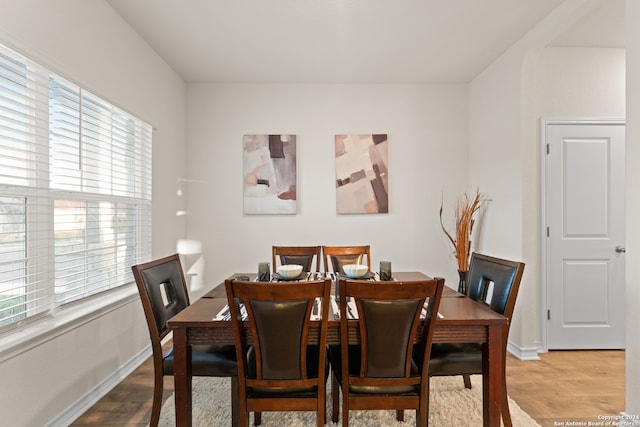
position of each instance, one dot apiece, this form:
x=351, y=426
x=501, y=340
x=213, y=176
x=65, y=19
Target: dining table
x=460, y=319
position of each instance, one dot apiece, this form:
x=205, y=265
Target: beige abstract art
x=362, y=176
x=269, y=168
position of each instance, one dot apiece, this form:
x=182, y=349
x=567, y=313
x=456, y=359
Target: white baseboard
x=529, y=353
x=74, y=411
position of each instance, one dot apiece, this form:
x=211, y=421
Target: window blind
x=75, y=191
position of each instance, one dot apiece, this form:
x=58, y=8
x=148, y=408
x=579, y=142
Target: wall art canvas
x=269, y=168
x=362, y=175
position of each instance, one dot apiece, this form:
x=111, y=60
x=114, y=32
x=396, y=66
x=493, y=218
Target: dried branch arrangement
x=465, y=209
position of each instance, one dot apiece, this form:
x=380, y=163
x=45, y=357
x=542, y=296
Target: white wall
x=86, y=42
x=504, y=108
x=579, y=82
x=545, y=72
x=633, y=207
x=496, y=167
x=427, y=131
x=564, y=83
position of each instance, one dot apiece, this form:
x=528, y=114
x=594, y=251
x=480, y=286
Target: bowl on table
x=355, y=271
x=290, y=271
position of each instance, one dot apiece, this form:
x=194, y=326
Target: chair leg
x=467, y=380
x=400, y=414
x=335, y=397
x=158, y=385
x=422, y=414
x=257, y=418
x=244, y=419
x=419, y=419
x=321, y=412
x=235, y=409
x=345, y=409
x=506, y=415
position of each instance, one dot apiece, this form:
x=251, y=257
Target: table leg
x=182, y=377
x=492, y=376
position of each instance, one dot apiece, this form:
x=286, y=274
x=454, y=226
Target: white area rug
x=450, y=405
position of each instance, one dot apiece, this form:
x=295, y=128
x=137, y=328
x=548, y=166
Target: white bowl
x=289, y=271
x=355, y=270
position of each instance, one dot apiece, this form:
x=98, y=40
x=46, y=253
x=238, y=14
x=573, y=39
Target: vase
x=462, y=284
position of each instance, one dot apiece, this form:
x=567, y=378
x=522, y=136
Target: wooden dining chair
x=163, y=292
x=279, y=369
x=338, y=256
x=389, y=369
x=495, y=282
x=301, y=255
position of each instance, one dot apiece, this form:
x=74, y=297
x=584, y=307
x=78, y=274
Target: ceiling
x=348, y=41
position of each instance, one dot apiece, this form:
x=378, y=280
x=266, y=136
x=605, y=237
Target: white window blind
x=75, y=191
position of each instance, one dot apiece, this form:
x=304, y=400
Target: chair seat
x=207, y=361
x=455, y=359
x=354, y=369
x=286, y=392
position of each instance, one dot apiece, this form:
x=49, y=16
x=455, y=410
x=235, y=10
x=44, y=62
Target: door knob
x=621, y=249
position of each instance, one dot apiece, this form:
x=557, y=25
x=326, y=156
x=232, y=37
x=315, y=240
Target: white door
x=585, y=236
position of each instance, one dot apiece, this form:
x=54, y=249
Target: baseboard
x=74, y=411
x=529, y=353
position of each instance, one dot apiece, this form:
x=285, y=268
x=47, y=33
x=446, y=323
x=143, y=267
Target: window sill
x=31, y=334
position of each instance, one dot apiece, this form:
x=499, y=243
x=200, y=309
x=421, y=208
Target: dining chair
x=301, y=255
x=339, y=256
x=495, y=282
x=389, y=368
x=163, y=293
x=279, y=369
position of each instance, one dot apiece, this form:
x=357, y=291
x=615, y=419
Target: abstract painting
x=269, y=168
x=362, y=176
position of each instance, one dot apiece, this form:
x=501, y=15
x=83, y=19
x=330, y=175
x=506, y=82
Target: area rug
x=450, y=405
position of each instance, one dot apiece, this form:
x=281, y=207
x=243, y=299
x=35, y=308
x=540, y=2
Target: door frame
x=544, y=290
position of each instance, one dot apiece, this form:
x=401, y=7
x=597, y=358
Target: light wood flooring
x=562, y=386
x=568, y=385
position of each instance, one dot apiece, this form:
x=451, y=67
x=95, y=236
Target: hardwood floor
x=562, y=386
x=129, y=403
x=568, y=385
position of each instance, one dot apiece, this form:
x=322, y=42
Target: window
x=75, y=191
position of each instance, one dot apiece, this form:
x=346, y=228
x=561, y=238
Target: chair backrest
x=389, y=314
x=495, y=281
x=278, y=323
x=301, y=255
x=163, y=292
x=339, y=256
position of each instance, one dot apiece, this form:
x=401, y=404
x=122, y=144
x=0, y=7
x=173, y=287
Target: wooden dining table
x=460, y=320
